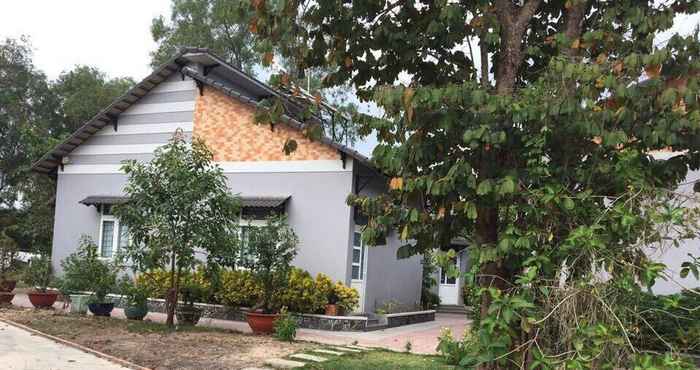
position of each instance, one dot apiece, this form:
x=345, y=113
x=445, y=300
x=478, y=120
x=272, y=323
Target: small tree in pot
x=271, y=249
x=39, y=274
x=136, y=299
x=85, y=271
x=188, y=313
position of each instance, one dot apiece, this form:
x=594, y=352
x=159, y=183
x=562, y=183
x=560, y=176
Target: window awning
x=264, y=201
x=95, y=200
x=246, y=202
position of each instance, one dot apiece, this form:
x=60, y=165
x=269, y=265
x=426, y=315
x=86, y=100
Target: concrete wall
x=72, y=219
x=389, y=278
x=674, y=257
x=317, y=212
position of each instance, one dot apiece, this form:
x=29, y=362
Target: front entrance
x=448, y=287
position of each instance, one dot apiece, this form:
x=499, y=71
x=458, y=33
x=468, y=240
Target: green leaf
x=484, y=187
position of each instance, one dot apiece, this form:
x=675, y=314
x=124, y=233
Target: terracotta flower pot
x=6, y=298
x=6, y=286
x=261, y=323
x=332, y=310
x=43, y=299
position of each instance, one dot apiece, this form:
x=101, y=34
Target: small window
x=112, y=235
x=107, y=242
x=358, y=256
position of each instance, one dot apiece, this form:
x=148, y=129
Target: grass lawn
x=379, y=360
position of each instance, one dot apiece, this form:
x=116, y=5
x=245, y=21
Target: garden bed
x=153, y=345
x=308, y=321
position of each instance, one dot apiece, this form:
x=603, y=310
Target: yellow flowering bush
x=157, y=282
x=238, y=289
x=302, y=293
x=347, y=297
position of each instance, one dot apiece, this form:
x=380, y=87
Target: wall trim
x=230, y=167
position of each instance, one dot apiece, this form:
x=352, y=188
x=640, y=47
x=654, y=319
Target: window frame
x=361, y=264
x=116, y=232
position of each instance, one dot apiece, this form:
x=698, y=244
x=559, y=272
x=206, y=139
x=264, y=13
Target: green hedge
x=238, y=288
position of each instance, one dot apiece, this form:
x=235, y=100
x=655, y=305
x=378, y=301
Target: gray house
x=207, y=98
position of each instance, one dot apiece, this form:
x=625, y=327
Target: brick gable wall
x=228, y=128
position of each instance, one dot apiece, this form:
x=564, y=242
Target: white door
x=448, y=288
x=359, y=267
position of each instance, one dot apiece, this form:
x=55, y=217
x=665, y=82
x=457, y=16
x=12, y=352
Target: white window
x=358, y=256
x=112, y=235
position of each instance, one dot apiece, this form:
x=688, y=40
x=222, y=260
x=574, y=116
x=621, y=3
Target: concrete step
x=280, y=363
x=454, y=309
x=376, y=327
x=307, y=357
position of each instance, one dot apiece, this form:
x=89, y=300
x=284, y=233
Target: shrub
x=238, y=289
x=453, y=350
x=134, y=295
x=157, y=282
x=303, y=293
x=347, y=297
x=675, y=318
x=272, y=248
x=39, y=273
x=83, y=270
x=285, y=326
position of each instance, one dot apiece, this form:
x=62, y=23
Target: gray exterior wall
x=317, y=212
x=389, y=278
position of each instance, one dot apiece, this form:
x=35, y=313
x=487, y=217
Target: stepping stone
x=304, y=356
x=357, y=347
x=349, y=350
x=328, y=352
x=280, y=363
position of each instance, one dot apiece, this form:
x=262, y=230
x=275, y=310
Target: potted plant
x=38, y=275
x=187, y=313
x=8, y=250
x=271, y=249
x=332, y=305
x=104, y=280
x=84, y=272
x=75, y=283
x=136, y=299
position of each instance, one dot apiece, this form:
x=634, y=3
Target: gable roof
x=256, y=92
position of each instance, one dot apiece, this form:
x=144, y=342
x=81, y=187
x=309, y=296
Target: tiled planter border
x=407, y=318
x=309, y=321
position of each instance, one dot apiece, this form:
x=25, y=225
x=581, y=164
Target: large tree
x=82, y=92
x=179, y=205
x=526, y=127
x=35, y=115
x=220, y=25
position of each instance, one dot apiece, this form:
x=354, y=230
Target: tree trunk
x=514, y=22
x=171, y=299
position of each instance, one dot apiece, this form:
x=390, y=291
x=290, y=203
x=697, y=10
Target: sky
x=115, y=36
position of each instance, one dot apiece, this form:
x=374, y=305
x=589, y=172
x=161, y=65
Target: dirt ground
x=152, y=345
